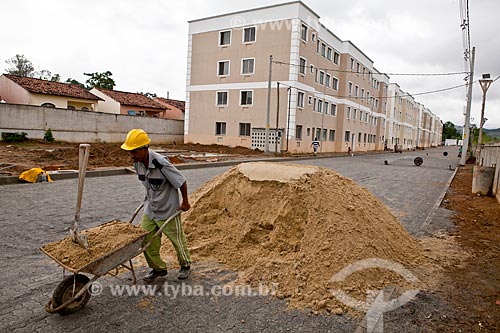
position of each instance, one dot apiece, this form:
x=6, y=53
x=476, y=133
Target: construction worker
x=162, y=182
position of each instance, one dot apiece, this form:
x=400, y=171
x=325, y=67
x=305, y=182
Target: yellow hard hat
x=136, y=138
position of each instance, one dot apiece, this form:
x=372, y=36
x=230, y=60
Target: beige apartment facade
x=409, y=124
x=321, y=87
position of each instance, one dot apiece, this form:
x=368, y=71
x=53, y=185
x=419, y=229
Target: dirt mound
x=102, y=239
x=293, y=227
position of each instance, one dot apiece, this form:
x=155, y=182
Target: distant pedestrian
x=315, y=144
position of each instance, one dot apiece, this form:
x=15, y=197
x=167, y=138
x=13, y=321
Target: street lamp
x=485, y=83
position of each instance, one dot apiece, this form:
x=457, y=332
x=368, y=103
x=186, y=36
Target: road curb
x=8, y=180
x=428, y=220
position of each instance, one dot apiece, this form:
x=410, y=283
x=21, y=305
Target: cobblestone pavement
x=35, y=214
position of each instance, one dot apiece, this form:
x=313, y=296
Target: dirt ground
x=474, y=288
x=18, y=157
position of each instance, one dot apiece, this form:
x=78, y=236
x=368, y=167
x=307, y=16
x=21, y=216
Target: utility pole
x=465, y=138
x=485, y=84
x=288, y=117
x=268, y=103
x=277, y=116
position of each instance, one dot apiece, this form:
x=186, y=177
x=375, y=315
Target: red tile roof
x=175, y=103
x=39, y=86
x=132, y=99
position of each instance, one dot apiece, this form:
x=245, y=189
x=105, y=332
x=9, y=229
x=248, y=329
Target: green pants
x=176, y=235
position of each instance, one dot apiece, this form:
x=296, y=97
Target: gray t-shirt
x=162, y=186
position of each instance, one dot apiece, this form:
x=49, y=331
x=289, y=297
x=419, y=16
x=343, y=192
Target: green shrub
x=48, y=136
x=14, y=137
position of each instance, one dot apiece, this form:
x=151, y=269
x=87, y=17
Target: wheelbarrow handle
x=157, y=233
x=136, y=212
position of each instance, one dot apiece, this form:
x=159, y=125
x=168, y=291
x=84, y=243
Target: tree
x=100, y=80
x=47, y=75
x=73, y=81
x=450, y=132
x=20, y=66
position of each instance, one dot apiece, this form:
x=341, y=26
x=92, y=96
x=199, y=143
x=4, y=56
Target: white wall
x=85, y=126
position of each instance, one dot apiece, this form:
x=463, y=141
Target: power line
x=356, y=72
x=383, y=97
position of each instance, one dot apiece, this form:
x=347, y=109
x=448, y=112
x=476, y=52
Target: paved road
x=35, y=214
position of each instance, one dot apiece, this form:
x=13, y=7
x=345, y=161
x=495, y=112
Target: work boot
x=151, y=277
x=183, y=273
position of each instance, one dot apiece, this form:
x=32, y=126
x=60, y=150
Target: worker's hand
x=184, y=206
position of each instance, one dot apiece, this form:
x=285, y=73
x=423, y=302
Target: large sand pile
x=295, y=227
x=102, y=239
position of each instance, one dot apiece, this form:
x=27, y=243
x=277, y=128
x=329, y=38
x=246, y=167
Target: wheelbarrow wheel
x=64, y=292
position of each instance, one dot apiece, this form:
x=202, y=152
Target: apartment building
x=321, y=86
x=409, y=124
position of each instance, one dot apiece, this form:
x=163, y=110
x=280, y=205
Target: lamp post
x=485, y=83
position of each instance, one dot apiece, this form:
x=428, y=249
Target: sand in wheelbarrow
x=291, y=228
x=102, y=239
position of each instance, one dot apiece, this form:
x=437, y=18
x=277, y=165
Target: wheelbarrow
x=72, y=294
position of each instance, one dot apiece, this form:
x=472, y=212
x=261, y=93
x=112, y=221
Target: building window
x=220, y=128
x=354, y=113
x=249, y=35
x=347, y=136
x=222, y=98
x=332, y=135
x=302, y=66
x=335, y=83
x=314, y=104
x=298, y=132
x=326, y=108
x=223, y=68
x=329, y=53
x=325, y=132
x=352, y=64
x=320, y=106
x=247, y=66
x=321, y=77
x=360, y=115
x=336, y=58
x=48, y=105
x=357, y=68
x=349, y=90
x=308, y=131
x=359, y=138
x=246, y=97
x=225, y=38
x=313, y=37
x=348, y=112
x=356, y=91
x=318, y=133
x=328, y=77
x=300, y=99
x=303, y=32
x=312, y=68
x=245, y=129
x=323, y=49
x=333, y=109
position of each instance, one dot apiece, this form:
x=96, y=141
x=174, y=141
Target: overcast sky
x=144, y=43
